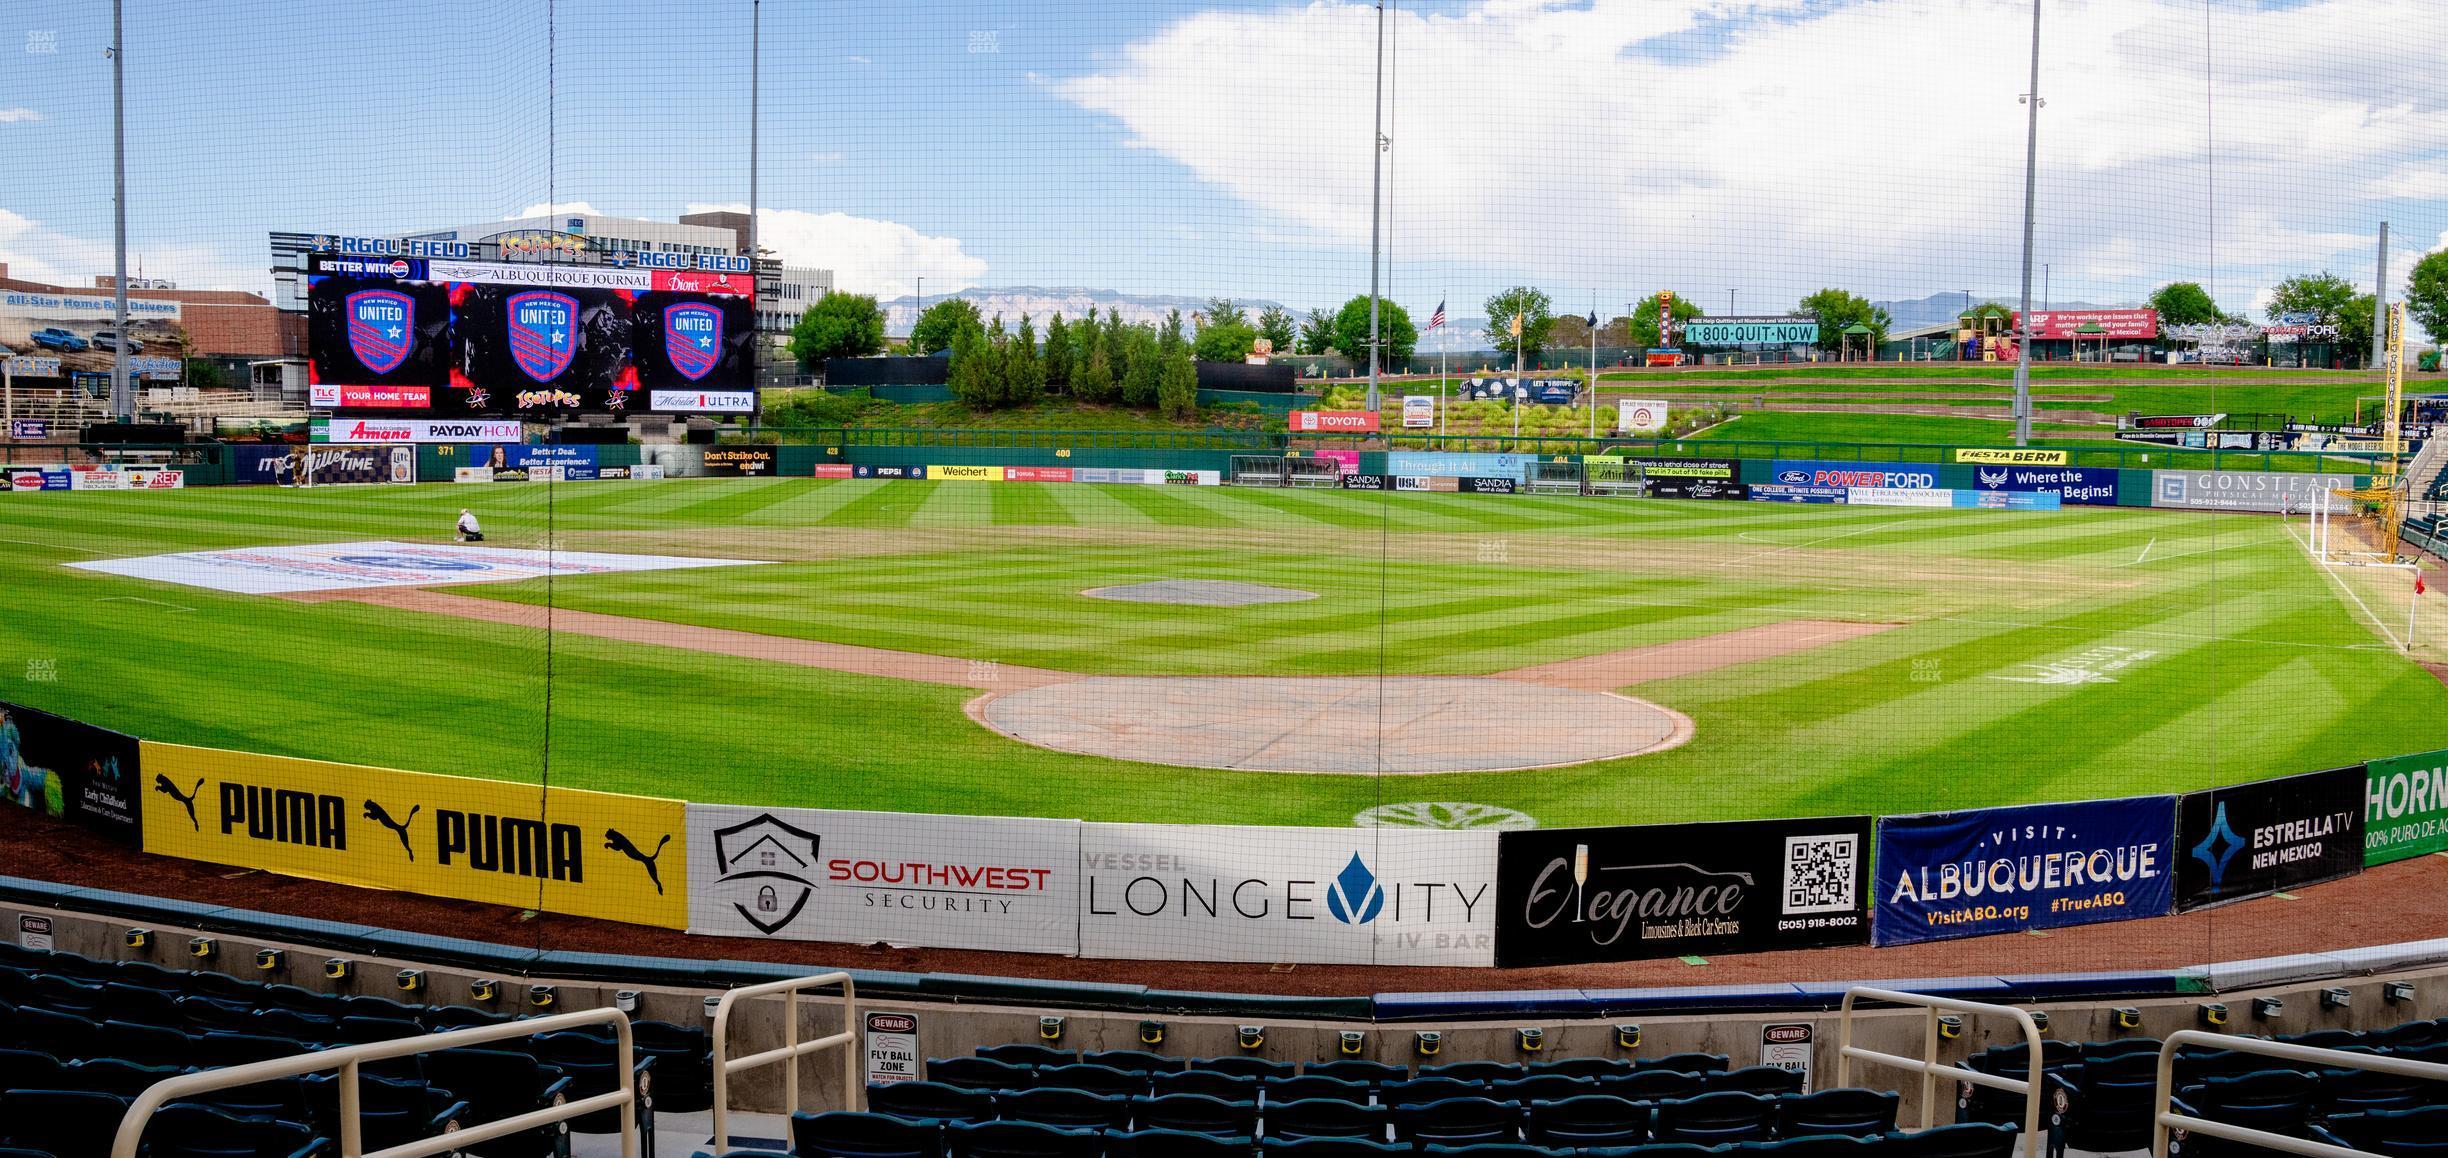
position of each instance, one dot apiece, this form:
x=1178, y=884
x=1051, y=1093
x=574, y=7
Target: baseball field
x=963, y=647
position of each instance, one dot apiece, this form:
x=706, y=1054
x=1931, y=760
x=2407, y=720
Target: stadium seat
x=2323, y=1039
x=1423, y=1090
x=361, y=1030
x=1094, y=1079
x=288, y=1099
x=1651, y=1085
x=280, y=1021
x=1580, y=1067
x=1370, y=1073
x=205, y=1014
x=1714, y=1119
x=684, y=1064
x=1690, y=1063
x=1332, y=1148
x=591, y=1063
x=1547, y=1088
x=1020, y=1140
x=978, y=1073
x=2421, y=1132
x=1064, y=1109
x=216, y=1049
x=1136, y=1061
x=110, y=1075
x=1961, y=1140
x=2361, y=1091
x=1024, y=1053
x=2093, y=1051
x=1766, y=1081
x=1656, y=1150
x=390, y=1112
x=2103, y=1105
x=60, y=1122
x=2277, y=1100
x=1473, y=1071
x=1278, y=1091
x=1176, y=1144
x=1497, y=1150
x=845, y=1134
x=1457, y=1122
x=53, y=1032
x=1810, y=1146
x=1195, y=1114
x=931, y=1101
x=1854, y=1113
x=1321, y=1118
x=1230, y=1087
x=192, y=1131
x=446, y=1017
x=26, y=1069
x=148, y=1044
x=496, y=1084
x=1589, y=1120
x=1979, y=1103
x=2407, y=1035
x=144, y=1004
x=1248, y=1067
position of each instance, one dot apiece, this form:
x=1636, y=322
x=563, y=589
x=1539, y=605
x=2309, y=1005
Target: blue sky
x=1607, y=148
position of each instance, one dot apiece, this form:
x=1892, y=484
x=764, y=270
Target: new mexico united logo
x=379, y=324
x=692, y=337
x=773, y=860
x=543, y=332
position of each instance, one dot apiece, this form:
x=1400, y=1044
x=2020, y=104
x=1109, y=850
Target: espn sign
x=1334, y=421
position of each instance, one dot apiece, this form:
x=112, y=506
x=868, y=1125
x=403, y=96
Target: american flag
x=1438, y=318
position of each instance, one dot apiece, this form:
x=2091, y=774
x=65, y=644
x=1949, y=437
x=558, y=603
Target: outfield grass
x=2259, y=667
x=1928, y=430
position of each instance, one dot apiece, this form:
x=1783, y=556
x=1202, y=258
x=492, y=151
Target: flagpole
x=1444, y=392
x=1593, y=383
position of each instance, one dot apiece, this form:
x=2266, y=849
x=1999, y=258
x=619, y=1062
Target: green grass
x=2261, y=668
x=1792, y=426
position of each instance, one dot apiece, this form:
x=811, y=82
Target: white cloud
x=858, y=60
x=34, y=251
x=1782, y=142
x=867, y=256
x=824, y=158
x=549, y=208
x=18, y=114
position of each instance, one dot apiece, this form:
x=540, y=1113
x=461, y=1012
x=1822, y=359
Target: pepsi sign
x=543, y=332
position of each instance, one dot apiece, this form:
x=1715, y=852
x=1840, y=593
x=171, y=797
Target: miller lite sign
x=543, y=332
x=692, y=338
x=380, y=323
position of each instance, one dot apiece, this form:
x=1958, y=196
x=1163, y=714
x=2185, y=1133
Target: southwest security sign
x=1329, y=896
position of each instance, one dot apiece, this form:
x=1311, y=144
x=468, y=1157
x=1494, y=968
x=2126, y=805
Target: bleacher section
x=80, y=1038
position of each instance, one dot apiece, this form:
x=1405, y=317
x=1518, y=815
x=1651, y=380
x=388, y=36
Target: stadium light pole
x=123, y=399
x=1377, y=147
x=2031, y=164
x=2380, y=307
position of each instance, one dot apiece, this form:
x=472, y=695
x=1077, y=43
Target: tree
x=839, y=325
x=1275, y=325
x=201, y=373
x=2427, y=294
x=972, y=374
x=1839, y=310
x=2354, y=323
x=1169, y=338
x=1223, y=310
x=1228, y=342
x=943, y=323
x=1055, y=364
x=1023, y=375
x=1351, y=331
x=2320, y=294
x=1094, y=380
x=1317, y=333
x=1146, y=365
x=1532, y=306
x=2185, y=303
x=1177, y=386
x=1645, y=318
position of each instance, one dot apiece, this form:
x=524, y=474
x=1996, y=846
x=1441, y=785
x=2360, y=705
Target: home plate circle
x=1410, y=725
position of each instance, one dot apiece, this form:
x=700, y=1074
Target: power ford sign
x=1882, y=475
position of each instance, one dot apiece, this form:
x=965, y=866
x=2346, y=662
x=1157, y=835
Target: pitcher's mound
x=1200, y=593
x=1399, y=725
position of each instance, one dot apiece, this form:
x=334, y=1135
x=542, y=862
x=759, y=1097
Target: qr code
x=1819, y=872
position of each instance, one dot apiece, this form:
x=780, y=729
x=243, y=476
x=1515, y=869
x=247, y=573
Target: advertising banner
x=1365, y=482
x=367, y=431
x=69, y=334
x=2243, y=490
x=30, y=366
x=1323, y=896
x=1696, y=488
x=2088, y=486
x=1718, y=469
x=1419, y=411
x=2013, y=457
x=386, y=397
x=2005, y=870
x=540, y=463
x=1034, y=473
x=1459, y=464
x=1485, y=486
x=1640, y=416
x=587, y=854
x=1888, y=475
x=322, y=465
x=2405, y=807
x=1762, y=331
x=1789, y=493
x=1334, y=421
x=941, y=881
x=2251, y=840
x=2130, y=325
x=1346, y=461
x=864, y=470
x=71, y=771
x=2174, y=422
x=1568, y=895
x=2005, y=500
x=962, y=472
x=1898, y=497
x=740, y=461
x=472, y=474
x=701, y=401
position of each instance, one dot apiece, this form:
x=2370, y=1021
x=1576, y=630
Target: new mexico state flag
x=560, y=850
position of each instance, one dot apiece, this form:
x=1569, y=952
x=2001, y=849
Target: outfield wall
x=1231, y=893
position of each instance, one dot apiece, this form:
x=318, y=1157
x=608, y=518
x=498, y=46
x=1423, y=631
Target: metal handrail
x=1927, y=1064
x=2163, y=1120
x=348, y=1058
x=788, y=1053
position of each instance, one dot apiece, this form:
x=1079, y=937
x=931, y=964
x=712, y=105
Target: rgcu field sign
x=1334, y=421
